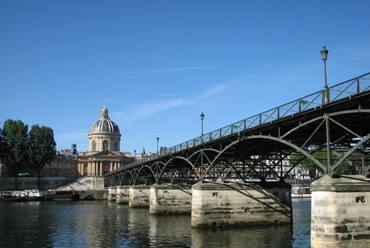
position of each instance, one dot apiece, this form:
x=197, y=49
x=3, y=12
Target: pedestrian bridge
x=258, y=147
x=236, y=175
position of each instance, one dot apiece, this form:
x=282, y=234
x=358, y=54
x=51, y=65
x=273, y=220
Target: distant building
x=103, y=153
x=64, y=164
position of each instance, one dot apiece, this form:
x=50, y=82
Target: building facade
x=103, y=155
x=64, y=164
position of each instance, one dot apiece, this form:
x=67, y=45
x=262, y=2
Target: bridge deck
x=272, y=136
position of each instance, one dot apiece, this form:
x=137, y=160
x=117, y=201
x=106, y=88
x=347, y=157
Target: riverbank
x=28, y=183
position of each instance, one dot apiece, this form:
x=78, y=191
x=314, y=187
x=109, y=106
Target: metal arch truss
x=262, y=152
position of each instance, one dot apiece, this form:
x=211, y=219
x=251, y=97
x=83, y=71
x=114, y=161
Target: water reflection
x=105, y=224
x=170, y=231
x=258, y=236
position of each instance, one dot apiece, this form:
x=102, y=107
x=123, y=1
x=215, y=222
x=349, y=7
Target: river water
x=106, y=224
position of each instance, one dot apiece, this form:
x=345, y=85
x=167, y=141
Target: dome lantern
x=104, y=124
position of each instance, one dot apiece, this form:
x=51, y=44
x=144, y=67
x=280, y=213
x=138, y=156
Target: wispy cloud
x=167, y=70
x=148, y=109
x=211, y=91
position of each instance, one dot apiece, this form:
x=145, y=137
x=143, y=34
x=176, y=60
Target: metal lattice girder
x=240, y=150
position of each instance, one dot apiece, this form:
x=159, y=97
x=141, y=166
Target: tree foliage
x=350, y=166
x=298, y=158
x=2, y=143
x=15, y=138
x=41, y=149
x=20, y=149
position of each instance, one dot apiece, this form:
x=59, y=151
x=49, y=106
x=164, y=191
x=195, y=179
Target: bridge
x=260, y=144
x=236, y=175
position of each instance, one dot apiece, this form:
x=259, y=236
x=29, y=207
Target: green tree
x=346, y=168
x=42, y=148
x=2, y=149
x=2, y=143
x=15, y=138
x=298, y=158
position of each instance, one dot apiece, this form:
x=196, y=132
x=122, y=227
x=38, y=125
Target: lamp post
x=324, y=57
x=201, y=152
x=326, y=99
x=157, y=144
x=201, y=119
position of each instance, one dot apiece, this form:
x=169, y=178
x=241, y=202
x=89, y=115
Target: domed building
x=103, y=153
x=104, y=134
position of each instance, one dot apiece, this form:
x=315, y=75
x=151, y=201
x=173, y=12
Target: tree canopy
x=15, y=138
x=41, y=149
x=20, y=148
x=348, y=167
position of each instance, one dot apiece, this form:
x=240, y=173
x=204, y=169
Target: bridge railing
x=350, y=87
x=336, y=92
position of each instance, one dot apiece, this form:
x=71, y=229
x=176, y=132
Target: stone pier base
x=139, y=196
x=170, y=199
x=123, y=194
x=240, y=204
x=112, y=193
x=340, y=212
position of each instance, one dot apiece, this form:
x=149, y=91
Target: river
x=106, y=224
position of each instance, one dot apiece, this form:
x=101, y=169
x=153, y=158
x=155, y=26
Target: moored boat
x=10, y=197
x=62, y=195
x=34, y=195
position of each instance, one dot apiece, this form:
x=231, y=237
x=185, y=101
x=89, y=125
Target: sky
x=157, y=65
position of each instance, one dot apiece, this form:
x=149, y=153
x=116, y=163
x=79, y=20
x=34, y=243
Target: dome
x=104, y=124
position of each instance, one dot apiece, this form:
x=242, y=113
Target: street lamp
x=201, y=152
x=324, y=57
x=157, y=144
x=201, y=119
x=326, y=99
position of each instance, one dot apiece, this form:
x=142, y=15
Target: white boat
x=34, y=195
x=30, y=195
x=301, y=192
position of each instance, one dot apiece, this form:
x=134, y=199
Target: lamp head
x=202, y=116
x=324, y=53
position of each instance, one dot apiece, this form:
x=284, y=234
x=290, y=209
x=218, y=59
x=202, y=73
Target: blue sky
x=159, y=64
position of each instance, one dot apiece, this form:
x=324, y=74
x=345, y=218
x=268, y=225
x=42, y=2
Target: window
x=105, y=145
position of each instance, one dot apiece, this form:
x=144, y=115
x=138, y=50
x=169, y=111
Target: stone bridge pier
x=123, y=195
x=139, y=196
x=170, y=199
x=340, y=212
x=241, y=204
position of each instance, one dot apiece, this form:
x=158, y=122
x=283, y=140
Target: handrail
x=339, y=91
